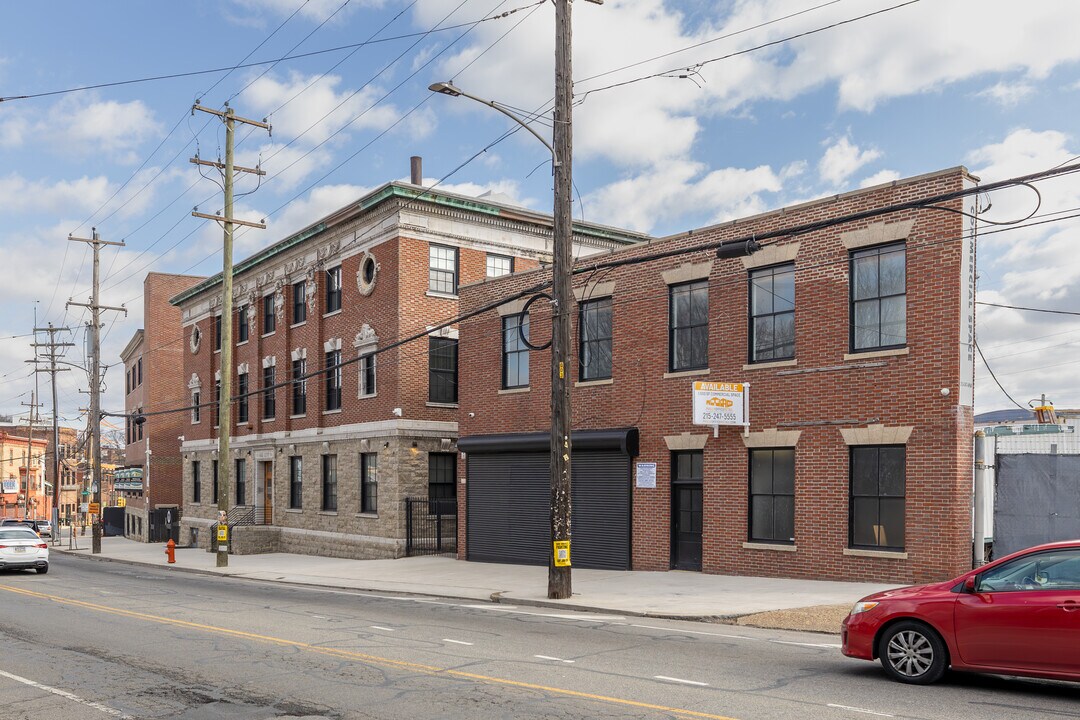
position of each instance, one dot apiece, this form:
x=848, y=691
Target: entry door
x=686, y=510
x=264, y=493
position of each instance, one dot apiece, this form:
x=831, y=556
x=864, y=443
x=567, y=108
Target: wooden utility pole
x=51, y=357
x=29, y=452
x=228, y=169
x=559, y=585
x=96, y=307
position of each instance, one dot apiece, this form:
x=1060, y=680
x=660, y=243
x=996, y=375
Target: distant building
x=23, y=491
x=151, y=475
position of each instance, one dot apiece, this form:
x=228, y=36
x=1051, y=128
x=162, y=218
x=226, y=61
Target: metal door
x=686, y=514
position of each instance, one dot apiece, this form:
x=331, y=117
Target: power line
x=996, y=381
x=1027, y=309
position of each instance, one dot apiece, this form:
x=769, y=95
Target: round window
x=367, y=274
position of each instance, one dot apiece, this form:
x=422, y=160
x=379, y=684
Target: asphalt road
x=105, y=640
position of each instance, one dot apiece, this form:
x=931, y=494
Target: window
x=196, y=482
x=196, y=409
x=333, y=380
x=299, y=387
x=367, y=374
x=138, y=368
x=241, y=481
x=329, y=482
x=242, y=325
x=268, y=395
x=689, y=326
x=499, y=265
x=299, y=302
x=772, y=313
x=879, y=298
x=515, y=360
x=772, y=496
x=269, y=319
x=442, y=467
x=296, y=482
x=442, y=370
x=242, y=398
x=369, y=482
x=1054, y=571
x=442, y=269
x=127, y=380
x=217, y=333
x=333, y=289
x=877, y=497
x=139, y=425
x=215, y=482
x=594, y=330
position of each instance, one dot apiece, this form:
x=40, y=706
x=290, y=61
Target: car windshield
x=10, y=533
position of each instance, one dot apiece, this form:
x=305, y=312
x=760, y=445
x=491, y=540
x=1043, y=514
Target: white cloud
x=879, y=178
x=842, y=159
x=1007, y=94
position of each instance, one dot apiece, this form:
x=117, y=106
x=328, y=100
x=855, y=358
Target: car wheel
x=912, y=652
x=42, y=570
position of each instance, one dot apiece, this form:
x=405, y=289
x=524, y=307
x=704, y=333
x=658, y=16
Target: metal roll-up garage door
x=508, y=491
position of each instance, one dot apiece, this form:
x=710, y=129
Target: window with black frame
x=878, y=497
x=196, y=409
x=333, y=380
x=333, y=289
x=268, y=394
x=594, y=331
x=515, y=353
x=688, y=340
x=299, y=302
x=241, y=481
x=442, y=468
x=242, y=324
x=217, y=332
x=442, y=370
x=299, y=387
x=269, y=319
x=329, y=482
x=772, y=313
x=217, y=403
x=443, y=269
x=196, y=482
x=879, y=298
x=772, y=495
x=367, y=375
x=215, y=471
x=242, y=398
x=369, y=482
x=296, y=482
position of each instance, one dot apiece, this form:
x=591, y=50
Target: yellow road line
x=372, y=659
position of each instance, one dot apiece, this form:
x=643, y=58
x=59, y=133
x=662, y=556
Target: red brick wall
x=897, y=391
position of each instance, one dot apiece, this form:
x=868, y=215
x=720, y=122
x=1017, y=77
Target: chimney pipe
x=416, y=164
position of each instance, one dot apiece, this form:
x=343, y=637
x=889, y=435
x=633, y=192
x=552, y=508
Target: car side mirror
x=969, y=584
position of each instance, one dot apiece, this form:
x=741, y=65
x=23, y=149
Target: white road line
x=831, y=646
x=555, y=659
x=489, y=607
x=859, y=710
x=69, y=696
x=320, y=617
x=456, y=642
x=380, y=627
x=694, y=632
x=680, y=680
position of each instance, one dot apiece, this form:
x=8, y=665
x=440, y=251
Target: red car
x=1019, y=615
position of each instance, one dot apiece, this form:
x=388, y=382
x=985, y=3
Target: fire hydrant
x=170, y=550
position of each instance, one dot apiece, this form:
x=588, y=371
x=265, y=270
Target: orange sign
x=94, y=509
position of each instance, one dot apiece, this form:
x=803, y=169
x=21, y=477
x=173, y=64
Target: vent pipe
x=416, y=174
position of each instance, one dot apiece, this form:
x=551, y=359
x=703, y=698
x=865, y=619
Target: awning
x=621, y=439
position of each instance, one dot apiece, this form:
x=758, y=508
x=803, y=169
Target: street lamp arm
x=450, y=89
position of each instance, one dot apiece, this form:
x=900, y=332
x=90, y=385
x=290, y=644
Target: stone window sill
x=777, y=547
x=452, y=406
x=514, y=391
x=594, y=383
x=298, y=417
x=331, y=412
x=371, y=395
x=871, y=354
x=369, y=516
x=294, y=511
x=886, y=554
x=302, y=323
x=768, y=365
x=332, y=314
x=442, y=295
x=686, y=373
x=266, y=335
x=242, y=342
x=328, y=513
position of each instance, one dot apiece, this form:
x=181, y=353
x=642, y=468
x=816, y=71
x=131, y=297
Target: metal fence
x=430, y=526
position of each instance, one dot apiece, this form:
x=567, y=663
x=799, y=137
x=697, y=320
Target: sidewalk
x=790, y=604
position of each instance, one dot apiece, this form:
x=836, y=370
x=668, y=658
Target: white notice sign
x=719, y=403
x=646, y=475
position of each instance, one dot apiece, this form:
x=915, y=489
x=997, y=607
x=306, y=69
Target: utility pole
x=228, y=169
x=559, y=585
x=29, y=452
x=51, y=356
x=95, y=372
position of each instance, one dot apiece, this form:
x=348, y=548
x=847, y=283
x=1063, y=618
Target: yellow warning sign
x=562, y=553
x=223, y=533
x=94, y=509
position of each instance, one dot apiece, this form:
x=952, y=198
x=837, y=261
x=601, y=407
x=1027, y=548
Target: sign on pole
x=722, y=403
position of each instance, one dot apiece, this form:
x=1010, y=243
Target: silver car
x=20, y=547
x=44, y=528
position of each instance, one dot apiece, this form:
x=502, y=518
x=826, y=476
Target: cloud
x=842, y=159
x=1007, y=94
x=82, y=126
x=315, y=11
x=879, y=178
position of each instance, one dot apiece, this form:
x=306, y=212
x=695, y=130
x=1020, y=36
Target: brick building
x=23, y=491
x=71, y=474
x=153, y=359
x=325, y=463
x=856, y=340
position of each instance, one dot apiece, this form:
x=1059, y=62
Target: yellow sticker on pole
x=223, y=533
x=562, y=553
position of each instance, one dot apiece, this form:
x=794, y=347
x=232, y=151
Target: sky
x=688, y=112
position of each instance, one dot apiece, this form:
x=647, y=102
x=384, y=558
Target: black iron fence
x=430, y=526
